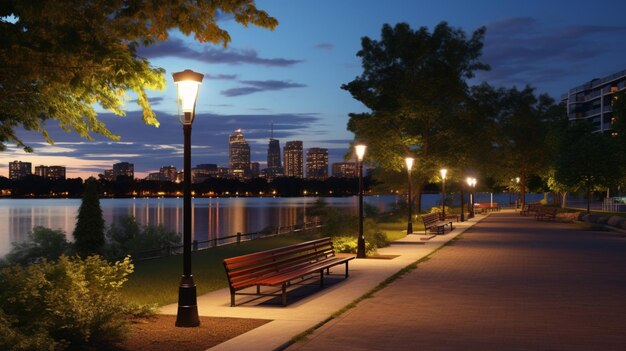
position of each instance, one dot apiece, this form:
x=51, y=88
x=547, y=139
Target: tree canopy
x=60, y=58
x=414, y=83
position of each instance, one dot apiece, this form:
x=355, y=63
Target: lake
x=211, y=217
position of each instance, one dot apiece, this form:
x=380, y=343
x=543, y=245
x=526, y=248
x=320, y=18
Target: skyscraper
x=123, y=169
x=344, y=170
x=18, y=169
x=317, y=163
x=274, y=166
x=50, y=172
x=238, y=155
x=292, y=154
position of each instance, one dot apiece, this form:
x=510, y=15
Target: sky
x=291, y=77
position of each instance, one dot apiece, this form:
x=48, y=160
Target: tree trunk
x=563, y=196
x=588, y=198
x=522, y=188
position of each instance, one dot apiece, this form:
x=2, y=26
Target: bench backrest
x=430, y=218
x=243, y=269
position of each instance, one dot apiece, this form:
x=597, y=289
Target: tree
x=414, y=83
x=59, y=58
x=527, y=125
x=585, y=159
x=42, y=243
x=89, y=231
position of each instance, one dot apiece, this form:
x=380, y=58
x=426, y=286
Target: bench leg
x=232, y=298
x=346, y=269
x=284, y=294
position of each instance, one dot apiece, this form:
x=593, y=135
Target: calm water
x=212, y=217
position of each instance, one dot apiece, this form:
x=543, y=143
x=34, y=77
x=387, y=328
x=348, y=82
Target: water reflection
x=211, y=217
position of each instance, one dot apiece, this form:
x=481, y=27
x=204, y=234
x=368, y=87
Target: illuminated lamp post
x=443, y=173
x=409, y=166
x=187, y=84
x=471, y=183
x=360, y=152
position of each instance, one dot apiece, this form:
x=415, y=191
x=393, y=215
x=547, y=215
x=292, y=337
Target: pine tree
x=89, y=231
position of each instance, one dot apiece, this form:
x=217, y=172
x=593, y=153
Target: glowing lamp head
x=409, y=163
x=443, y=172
x=187, y=84
x=360, y=151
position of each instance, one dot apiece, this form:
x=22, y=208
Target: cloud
x=255, y=86
x=220, y=76
x=154, y=101
x=208, y=54
x=324, y=46
x=523, y=50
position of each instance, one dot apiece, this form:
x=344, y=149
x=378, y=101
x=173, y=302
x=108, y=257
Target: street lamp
x=409, y=165
x=443, y=173
x=471, y=183
x=187, y=84
x=360, y=152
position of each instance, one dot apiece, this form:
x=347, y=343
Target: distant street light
x=471, y=182
x=409, y=226
x=360, y=153
x=443, y=173
x=187, y=84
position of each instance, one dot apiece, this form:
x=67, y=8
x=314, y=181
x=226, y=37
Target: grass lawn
x=156, y=281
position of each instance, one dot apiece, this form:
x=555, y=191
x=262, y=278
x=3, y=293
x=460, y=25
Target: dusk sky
x=292, y=76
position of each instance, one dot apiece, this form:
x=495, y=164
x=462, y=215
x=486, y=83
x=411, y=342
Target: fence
x=614, y=204
x=198, y=245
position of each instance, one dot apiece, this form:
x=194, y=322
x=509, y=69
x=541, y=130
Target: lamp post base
x=409, y=228
x=360, y=249
x=187, y=315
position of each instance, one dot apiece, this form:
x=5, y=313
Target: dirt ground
x=158, y=333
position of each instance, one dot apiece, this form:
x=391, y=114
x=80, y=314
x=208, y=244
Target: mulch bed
x=158, y=333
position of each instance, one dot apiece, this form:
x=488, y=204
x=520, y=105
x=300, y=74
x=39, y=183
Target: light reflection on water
x=211, y=217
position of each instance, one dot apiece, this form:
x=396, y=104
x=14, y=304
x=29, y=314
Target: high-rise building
x=274, y=166
x=255, y=169
x=344, y=170
x=18, y=169
x=292, y=154
x=169, y=173
x=317, y=163
x=238, y=155
x=51, y=172
x=592, y=101
x=202, y=172
x=123, y=169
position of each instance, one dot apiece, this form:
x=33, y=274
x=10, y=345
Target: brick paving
x=509, y=283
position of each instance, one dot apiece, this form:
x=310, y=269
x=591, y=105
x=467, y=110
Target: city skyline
x=291, y=77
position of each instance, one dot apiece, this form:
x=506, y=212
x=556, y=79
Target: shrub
x=42, y=243
x=128, y=237
x=616, y=221
x=72, y=303
x=349, y=244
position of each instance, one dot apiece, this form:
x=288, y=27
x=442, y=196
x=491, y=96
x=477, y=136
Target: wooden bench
x=279, y=267
x=486, y=207
x=433, y=220
x=546, y=213
x=530, y=208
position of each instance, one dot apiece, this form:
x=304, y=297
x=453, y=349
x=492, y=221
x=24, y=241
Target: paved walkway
x=510, y=283
x=313, y=307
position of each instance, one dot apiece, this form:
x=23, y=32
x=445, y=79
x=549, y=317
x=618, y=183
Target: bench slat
x=277, y=267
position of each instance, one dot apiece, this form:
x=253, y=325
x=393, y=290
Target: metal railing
x=199, y=245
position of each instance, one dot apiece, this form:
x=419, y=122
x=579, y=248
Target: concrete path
x=309, y=306
x=509, y=283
